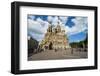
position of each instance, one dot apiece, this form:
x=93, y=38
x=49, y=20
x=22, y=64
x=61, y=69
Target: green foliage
x=32, y=44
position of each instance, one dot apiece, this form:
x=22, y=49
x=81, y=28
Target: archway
x=50, y=46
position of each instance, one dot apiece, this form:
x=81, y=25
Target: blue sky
x=75, y=27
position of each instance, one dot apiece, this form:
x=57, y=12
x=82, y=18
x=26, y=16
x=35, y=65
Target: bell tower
x=49, y=28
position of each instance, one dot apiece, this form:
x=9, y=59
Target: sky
x=76, y=27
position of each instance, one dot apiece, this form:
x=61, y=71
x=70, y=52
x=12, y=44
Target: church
x=55, y=39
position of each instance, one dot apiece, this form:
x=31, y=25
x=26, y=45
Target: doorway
x=50, y=46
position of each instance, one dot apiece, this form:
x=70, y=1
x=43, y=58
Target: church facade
x=55, y=38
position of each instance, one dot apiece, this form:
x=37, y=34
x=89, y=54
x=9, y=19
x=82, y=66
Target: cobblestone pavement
x=63, y=54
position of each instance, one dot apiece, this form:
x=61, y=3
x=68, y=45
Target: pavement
x=61, y=54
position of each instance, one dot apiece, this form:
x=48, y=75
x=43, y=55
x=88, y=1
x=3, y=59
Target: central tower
x=55, y=38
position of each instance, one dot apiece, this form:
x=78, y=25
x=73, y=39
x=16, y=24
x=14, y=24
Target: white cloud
x=50, y=18
x=80, y=25
x=36, y=26
x=39, y=27
x=63, y=19
x=53, y=20
x=43, y=23
x=36, y=36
